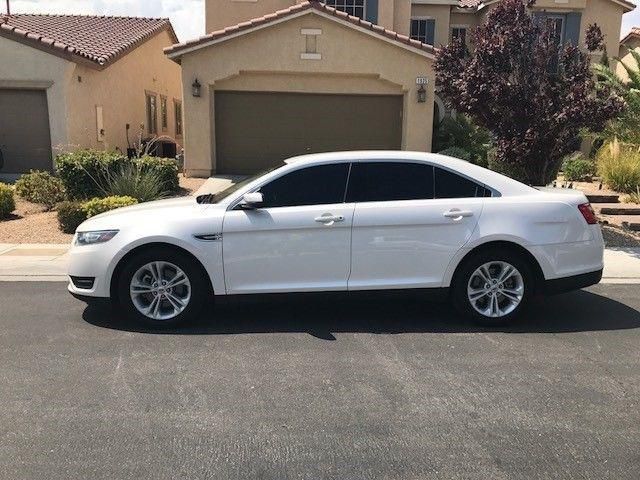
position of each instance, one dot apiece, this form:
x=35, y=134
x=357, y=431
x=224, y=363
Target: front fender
x=209, y=254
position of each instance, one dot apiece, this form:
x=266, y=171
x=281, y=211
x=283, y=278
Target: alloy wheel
x=160, y=290
x=495, y=289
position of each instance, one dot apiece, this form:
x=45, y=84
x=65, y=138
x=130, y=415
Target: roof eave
x=629, y=36
x=626, y=5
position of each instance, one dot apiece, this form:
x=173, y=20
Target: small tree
x=626, y=127
x=533, y=96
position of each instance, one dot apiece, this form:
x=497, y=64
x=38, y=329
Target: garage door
x=25, y=141
x=255, y=131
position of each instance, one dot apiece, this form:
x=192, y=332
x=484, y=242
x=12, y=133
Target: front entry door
x=299, y=241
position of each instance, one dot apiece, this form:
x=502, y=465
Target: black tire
x=463, y=275
x=200, y=289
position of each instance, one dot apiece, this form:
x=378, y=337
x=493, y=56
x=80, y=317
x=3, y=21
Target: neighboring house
x=72, y=81
x=276, y=78
x=628, y=43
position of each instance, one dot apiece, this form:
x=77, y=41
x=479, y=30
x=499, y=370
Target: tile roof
x=176, y=50
x=470, y=3
x=635, y=32
x=98, y=40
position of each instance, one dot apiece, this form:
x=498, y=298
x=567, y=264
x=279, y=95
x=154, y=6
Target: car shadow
x=322, y=315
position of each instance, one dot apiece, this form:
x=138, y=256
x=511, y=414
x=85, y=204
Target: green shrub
x=461, y=132
x=70, y=216
x=96, y=206
x=508, y=169
x=7, y=202
x=456, y=152
x=632, y=197
x=577, y=168
x=137, y=181
x=165, y=168
x=619, y=166
x=40, y=187
x=82, y=171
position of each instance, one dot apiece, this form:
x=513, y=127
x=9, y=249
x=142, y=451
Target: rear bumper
x=575, y=282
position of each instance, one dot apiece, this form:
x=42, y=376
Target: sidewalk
x=43, y=262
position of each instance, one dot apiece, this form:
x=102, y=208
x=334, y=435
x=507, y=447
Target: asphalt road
x=320, y=387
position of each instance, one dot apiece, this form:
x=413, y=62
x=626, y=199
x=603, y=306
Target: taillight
x=588, y=213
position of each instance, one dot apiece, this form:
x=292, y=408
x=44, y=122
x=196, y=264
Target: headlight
x=91, y=238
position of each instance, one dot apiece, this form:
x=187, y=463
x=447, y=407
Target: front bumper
x=91, y=262
x=92, y=301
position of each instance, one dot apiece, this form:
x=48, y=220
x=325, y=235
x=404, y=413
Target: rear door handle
x=329, y=219
x=458, y=214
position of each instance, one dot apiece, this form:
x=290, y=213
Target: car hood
x=160, y=211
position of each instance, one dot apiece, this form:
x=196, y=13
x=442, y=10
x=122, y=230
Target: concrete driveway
x=320, y=387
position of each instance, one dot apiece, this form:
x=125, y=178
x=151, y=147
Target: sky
x=187, y=16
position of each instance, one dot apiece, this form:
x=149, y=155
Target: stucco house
x=275, y=78
x=70, y=81
x=630, y=42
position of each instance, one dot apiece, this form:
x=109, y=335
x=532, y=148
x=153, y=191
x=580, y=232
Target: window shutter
x=431, y=31
x=372, y=11
x=572, y=28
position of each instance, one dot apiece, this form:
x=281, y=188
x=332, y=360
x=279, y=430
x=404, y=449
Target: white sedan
x=344, y=222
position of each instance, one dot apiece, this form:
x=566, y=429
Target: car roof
x=501, y=183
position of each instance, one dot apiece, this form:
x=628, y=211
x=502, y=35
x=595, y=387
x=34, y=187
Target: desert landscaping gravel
x=31, y=223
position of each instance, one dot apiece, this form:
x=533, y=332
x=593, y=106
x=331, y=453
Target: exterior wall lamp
x=422, y=94
x=196, y=88
x=422, y=82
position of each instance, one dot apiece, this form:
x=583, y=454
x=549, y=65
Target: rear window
x=452, y=185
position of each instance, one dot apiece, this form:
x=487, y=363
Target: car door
x=409, y=221
x=298, y=240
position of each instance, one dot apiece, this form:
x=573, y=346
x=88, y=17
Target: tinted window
x=318, y=185
x=450, y=185
x=382, y=181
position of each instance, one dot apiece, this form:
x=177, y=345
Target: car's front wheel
x=161, y=288
x=493, y=287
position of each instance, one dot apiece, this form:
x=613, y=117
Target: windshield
x=218, y=197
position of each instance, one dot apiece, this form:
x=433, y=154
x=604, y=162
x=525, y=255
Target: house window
x=178, y=113
x=152, y=113
x=459, y=32
x=423, y=30
x=356, y=8
x=163, y=112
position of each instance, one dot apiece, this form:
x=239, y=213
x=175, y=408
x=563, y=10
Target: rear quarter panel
x=550, y=227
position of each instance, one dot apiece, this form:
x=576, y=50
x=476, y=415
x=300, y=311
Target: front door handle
x=329, y=219
x=458, y=214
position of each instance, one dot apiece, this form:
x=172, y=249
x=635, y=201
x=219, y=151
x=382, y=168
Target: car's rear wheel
x=162, y=288
x=493, y=287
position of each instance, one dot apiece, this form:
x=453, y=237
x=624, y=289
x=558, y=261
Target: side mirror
x=252, y=200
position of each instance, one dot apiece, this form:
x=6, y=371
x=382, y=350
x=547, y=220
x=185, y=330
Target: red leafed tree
x=533, y=96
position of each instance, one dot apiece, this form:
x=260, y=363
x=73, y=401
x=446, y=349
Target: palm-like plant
x=627, y=126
